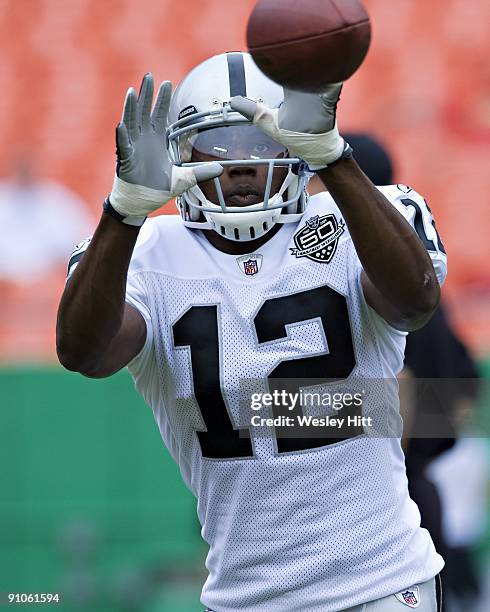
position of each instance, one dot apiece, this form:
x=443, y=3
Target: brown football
x=308, y=44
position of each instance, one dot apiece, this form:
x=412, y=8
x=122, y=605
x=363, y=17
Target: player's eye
x=260, y=148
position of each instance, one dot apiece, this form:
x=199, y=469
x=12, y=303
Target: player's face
x=241, y=185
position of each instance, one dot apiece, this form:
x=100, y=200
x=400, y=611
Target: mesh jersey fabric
x=324, y=528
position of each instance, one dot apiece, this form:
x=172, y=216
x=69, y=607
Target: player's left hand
x=304, y=123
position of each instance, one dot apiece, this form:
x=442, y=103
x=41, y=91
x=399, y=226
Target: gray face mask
x=226, y=136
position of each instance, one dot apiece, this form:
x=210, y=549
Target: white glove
x=145, y=176
x=304, y=123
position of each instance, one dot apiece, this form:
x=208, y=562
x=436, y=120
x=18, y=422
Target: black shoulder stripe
x=236, y=73
x=78, y=253
x=73, y=260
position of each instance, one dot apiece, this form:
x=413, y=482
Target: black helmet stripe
x=236, y=73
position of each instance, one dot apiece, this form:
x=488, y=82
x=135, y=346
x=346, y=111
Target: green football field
x=92, y=505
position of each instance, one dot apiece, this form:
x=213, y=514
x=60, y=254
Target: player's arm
x=97, y=332
x=398, y=280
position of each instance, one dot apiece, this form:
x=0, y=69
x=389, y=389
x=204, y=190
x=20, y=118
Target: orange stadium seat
x=424, y=90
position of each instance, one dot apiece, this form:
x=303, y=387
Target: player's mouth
x=243, y=196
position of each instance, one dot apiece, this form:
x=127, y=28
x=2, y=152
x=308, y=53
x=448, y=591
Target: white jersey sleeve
x=143, y=365
x=413, y=207
x=136, y=296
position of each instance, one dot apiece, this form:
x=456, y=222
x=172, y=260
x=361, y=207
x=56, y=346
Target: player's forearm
x=391, y=253
x=92, y=306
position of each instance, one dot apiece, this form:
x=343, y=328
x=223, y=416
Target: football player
x=254, y=284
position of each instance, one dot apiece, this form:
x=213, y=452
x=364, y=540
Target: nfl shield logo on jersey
x=318, y=239
x=250, y=264
x=410, y=597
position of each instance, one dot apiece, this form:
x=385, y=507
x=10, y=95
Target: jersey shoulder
x=410, y=204
x=415, y=209
x=319, y=212
x=166, y=246
x=155, y=232
x=323, y=204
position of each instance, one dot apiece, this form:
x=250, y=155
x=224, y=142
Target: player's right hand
x=145, y=177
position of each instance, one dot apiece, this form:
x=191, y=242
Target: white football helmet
x=201, y=119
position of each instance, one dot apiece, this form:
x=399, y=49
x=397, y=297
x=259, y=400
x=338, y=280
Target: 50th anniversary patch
x=318, y=239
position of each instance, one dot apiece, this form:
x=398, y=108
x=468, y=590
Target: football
x=308, y=44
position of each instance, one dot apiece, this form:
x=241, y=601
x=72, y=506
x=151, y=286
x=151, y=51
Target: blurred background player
x=42, y=216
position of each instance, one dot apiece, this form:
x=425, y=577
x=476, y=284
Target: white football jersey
x=313, y=523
